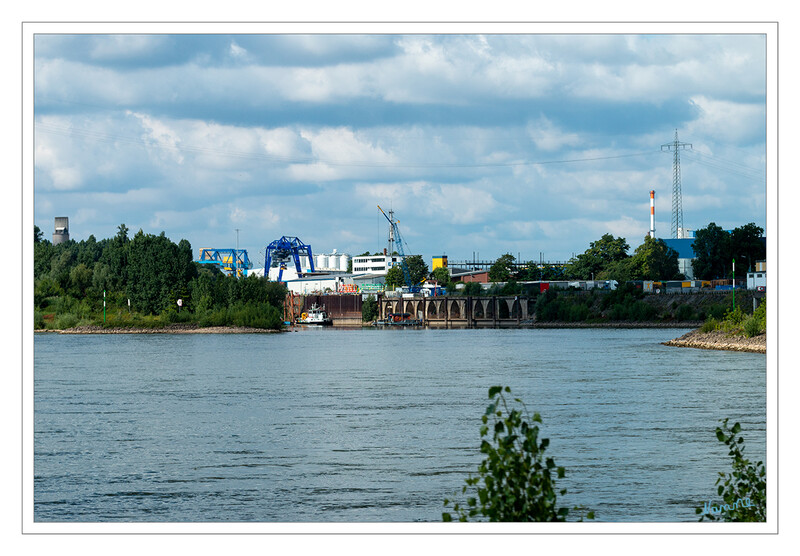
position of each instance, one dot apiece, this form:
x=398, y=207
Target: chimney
x=652, y=213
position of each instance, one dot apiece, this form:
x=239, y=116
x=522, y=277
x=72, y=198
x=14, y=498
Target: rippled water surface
x=374, y=425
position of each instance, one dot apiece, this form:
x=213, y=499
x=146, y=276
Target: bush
x=710, y=325
x=38, y=320
x=744, y=490
x=515, y=481
x=752, y=327
x=717, y=311
x=65, y=320
x=684, y=313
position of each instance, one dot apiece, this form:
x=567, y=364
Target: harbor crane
x=285, y=249
x=231, y=261
x=396, y=238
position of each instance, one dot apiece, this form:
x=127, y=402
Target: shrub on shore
x=738, y=323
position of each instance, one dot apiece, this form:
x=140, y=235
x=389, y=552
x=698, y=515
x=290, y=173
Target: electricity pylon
x=677, y=200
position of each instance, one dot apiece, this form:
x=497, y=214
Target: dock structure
x=501, y=311
x=462, y=312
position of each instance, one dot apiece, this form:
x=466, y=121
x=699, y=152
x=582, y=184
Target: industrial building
x=375, y=264
x=757, y=279
x=683, y=246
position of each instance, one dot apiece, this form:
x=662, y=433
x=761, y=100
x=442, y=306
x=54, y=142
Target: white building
x=758, y=278
x=375, y=264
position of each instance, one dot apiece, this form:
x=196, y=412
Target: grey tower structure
x=61, y=233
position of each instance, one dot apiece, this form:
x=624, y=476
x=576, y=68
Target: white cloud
x=117, y=47
x=726, y=119
x=237, y=51
x=158, y=134
x=548, y=137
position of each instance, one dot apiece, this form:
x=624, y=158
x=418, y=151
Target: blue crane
x=282, y=250
x=231, y=261
x=395, y=237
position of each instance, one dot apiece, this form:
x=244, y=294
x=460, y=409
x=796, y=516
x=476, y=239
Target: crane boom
x=394, y=234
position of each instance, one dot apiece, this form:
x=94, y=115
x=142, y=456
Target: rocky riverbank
x=720, y=340
x=169, y=329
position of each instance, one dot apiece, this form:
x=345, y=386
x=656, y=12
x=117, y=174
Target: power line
x=737, y=169
x=110, y=138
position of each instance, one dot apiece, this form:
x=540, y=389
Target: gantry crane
x=231, y=261
x=282, y=250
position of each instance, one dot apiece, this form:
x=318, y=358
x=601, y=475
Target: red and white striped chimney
x=652, y=214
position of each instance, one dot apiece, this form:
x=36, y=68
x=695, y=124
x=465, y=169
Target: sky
x=482, y=144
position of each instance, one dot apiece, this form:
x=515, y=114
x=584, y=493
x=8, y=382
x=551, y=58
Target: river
x=333, y=425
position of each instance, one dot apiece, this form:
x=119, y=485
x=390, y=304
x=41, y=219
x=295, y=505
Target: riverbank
x=614, y=324
x=169, y=329
x=720, y=340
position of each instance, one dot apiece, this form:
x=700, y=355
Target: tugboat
x=316, y=316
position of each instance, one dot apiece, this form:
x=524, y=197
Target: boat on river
x=398, y=319
x=316, y=315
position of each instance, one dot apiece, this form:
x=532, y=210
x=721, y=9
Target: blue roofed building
x=685, y=255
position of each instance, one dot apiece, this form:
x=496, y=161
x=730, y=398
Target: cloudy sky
x=482, y=144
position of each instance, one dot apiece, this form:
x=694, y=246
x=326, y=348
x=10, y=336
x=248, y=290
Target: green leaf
x=494, y=390
x=590, y=515
x=736, y=428
x=446, y=517
x=561, y=472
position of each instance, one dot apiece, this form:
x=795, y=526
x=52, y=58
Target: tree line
x=141, y=280
x=607, y=259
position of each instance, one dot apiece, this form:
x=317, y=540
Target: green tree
x=473, y=289
x=80, y=278
x=417, y=269
x=394, y=277
x=115, y=256
x=42, y=258
x=369, y=309
x=652, y=260
x=442, y=276
x=744, y=489
x=713, y=254
x=61, y=264
x=500, y=271
x=598, y=257
x=747, y=245
x=37, y=234
x=156, y=272
x=515, y=481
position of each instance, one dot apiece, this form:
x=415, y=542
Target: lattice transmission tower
x=677, y=200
